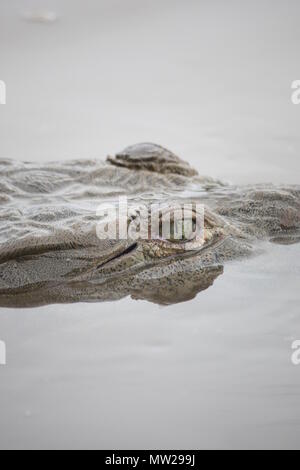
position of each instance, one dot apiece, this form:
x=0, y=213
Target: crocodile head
x=51, y=251
x=162, y=269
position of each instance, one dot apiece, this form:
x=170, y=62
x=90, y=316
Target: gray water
x=211, y=80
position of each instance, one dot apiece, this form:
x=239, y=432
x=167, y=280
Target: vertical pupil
x=180, y=229
x=160, y=229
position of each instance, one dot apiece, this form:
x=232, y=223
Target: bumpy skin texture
x=50, y=251
x=150, y=157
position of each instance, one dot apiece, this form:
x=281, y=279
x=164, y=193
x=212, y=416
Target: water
x=211, y=81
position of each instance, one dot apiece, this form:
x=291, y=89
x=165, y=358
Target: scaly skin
x=50, y=252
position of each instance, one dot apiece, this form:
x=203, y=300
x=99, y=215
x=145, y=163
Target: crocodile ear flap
x=151, y=157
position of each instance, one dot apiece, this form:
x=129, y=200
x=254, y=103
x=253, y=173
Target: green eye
x=181, y=231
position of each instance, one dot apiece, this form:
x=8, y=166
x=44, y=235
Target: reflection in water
x=174, y=288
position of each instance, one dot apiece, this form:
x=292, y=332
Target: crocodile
x=51, y=252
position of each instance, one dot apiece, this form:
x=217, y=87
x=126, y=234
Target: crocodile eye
x=182, y=230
